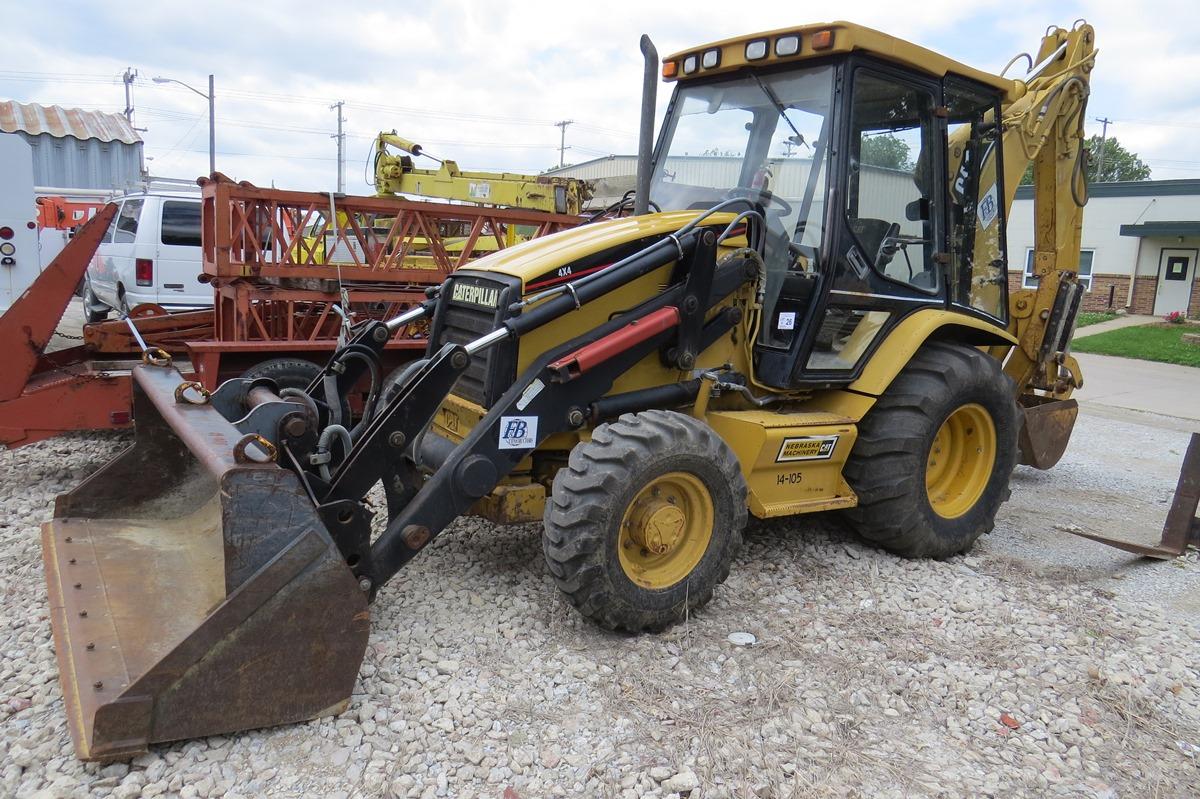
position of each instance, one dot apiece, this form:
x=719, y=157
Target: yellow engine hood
x=537, y=260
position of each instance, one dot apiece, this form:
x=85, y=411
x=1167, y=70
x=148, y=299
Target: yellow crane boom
x=396, y=174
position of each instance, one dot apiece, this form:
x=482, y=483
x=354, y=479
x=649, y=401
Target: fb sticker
x=787, y=321
x=989, y=208
x=518, y=432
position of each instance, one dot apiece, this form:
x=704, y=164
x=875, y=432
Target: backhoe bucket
x=1046, y=430
x=194, y=591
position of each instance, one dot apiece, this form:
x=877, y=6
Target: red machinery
x=59, y=213
x=276, y=295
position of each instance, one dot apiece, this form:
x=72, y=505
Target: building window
x=1030, y=281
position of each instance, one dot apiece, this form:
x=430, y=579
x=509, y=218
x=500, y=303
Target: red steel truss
x=280, y=260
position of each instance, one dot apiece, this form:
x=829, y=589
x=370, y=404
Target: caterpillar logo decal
x=484, y=296
x=807, y=448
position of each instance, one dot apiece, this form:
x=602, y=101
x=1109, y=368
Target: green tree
x=887, y=151
x=1119, y=163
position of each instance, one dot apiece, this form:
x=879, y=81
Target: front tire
x=935, y=454
x=645, y=520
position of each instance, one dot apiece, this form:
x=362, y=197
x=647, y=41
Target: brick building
x=1139, y=248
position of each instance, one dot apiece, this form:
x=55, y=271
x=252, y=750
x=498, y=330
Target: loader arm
x=554, y=394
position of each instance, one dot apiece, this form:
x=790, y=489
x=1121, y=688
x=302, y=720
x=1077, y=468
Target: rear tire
x=935, y=454
x=645, y=520
x=93, y=310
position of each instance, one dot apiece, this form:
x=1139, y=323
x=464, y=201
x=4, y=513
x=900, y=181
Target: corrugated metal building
x=73, y=148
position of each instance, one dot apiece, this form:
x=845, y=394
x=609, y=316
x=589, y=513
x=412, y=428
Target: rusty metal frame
x=45, y=395
x=248, y=232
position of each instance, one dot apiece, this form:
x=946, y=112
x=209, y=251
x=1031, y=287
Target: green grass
x=1086, y=318
x=1161, y=342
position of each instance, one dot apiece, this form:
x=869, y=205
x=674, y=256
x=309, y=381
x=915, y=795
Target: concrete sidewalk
x=1125, y=383
x=1126, y=320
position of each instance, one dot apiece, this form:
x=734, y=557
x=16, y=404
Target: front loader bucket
x=193, y=592
x=1046, y=430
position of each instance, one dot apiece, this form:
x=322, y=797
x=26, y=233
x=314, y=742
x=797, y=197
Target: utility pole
x=562, y=142
x=341, y=140
x=128, y=78
x=212, y=120
x=212, y=128
x=1105, y=121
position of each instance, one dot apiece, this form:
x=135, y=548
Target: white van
x=151, y=253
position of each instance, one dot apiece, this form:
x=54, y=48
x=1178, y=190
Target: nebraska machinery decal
x=807, y=448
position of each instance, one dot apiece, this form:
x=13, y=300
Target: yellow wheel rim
x=960, y=461
x=666, y=530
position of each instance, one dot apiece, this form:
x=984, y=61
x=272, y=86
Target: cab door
x=888, y=248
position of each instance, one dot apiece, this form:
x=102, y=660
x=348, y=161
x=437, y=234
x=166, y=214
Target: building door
x=1176, y=273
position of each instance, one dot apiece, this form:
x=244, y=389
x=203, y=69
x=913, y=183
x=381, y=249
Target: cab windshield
x=762, y=137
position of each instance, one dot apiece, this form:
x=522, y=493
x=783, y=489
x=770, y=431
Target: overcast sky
x=484, y=82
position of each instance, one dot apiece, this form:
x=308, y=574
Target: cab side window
x=890, y=196
x=127, y=222
x=978, y=273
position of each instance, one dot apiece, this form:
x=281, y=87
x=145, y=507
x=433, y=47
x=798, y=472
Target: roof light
x=756, y=49
x=822, y=40
x=670, y=68
x=690, y=64
x=787, y=45
x=710, y=59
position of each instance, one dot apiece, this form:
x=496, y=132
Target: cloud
x=483, y=83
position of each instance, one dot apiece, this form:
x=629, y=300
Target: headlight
x=787, y=45
x=756, y=49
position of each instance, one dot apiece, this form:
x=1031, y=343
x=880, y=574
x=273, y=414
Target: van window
x=181, y=224
x=112, y=225
x=127, y=222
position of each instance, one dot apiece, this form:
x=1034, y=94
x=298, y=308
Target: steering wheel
x=760, y=196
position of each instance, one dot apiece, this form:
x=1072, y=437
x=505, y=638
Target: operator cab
x=875, y=165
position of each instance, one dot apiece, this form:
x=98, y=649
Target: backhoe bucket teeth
x=1046, y=430
x=194, y=591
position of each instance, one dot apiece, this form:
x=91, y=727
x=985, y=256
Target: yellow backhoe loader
x=815, y=317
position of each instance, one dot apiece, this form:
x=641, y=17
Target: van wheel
x=93, y=310
x=934, y=456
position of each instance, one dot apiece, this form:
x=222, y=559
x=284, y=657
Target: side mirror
x=917, y=210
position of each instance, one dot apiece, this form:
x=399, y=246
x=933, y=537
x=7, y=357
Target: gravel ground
x=1039, y=665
